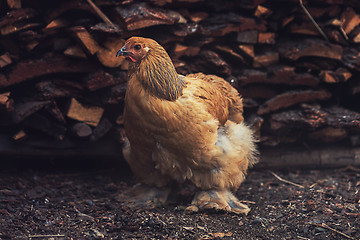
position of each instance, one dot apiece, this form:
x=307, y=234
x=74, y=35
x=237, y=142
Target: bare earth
x=84, y=204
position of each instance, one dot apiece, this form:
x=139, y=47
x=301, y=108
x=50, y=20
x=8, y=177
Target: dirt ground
x=59, y=203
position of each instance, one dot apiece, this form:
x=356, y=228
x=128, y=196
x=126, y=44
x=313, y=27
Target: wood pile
x=297, y=65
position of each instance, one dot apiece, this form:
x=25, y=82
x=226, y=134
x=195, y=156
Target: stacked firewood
x=297, y=65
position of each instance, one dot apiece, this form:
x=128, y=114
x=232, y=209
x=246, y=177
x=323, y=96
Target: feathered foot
x=217, y=200
x=143, y=196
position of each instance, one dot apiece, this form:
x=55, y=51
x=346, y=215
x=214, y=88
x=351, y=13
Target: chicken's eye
x=137, y=47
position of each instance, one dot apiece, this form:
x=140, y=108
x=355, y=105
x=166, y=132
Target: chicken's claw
x=143, y=196
x=217, y=200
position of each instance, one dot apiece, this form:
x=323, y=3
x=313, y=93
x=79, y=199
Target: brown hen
x=183, y=129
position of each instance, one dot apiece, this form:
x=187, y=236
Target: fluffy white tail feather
x=238, y=137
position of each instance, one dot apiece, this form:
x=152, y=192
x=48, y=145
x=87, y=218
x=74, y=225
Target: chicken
x=183, y=129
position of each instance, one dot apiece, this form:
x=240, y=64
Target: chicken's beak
x=122, y=52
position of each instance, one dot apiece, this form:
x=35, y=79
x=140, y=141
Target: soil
x=59, y=203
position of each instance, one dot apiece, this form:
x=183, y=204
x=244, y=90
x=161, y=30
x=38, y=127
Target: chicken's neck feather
x=158, y=75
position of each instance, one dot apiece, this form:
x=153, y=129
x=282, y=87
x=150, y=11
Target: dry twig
x=286, y=181
x=46, y=236
x=313, y=21
x=83, y=214
x=348, y=168
x=324, y=225
x=101, y=14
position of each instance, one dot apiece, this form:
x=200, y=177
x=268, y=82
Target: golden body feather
x=188, y=128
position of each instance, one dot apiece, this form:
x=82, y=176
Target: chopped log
x=5, y=60
x=56, y=24
x=14, y=3
x=81, y=130
x=60, y=44
x=17, y=27
x=19, y=136
x=103, y=28
x=212, y=61
x=249, y=37
x=291, y=98
x=287, y=20
x=329, y=134
x=137, y=16
x=86, y=39
x=262, y=11
x=161, y=2
x=56, y=88
x=218, y=29
x=328, y=11
x=49, y=64
x=4, y=97
x=222, y=24
x=182, y=30
x=182, y=50
x=266, y=38
x=67, y=6
x=198, y=16
x=75, y=51
x=114, y=95
x=349, y=20
x=257, y=91
x=278, y=74
x=230, y=52
x=103, y=128
x=305, y=79
x=356, y=35
x=247, y=50
x=17, y=15
x=249, y=76
x=341, y=117
x=351, y=58
x=252, y=24
x=250, y=103
x=340, y=75
x=305, y=28
x=6, y=103
x=265, y=60
x=54, y=111
x=294, y=50
x=338, y=36
x=90, y=115
x=311, y=117
x=24, y=110
x=42, y=124
x=31, y=45
x=101, y=79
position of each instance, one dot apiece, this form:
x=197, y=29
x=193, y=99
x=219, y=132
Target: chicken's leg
x=143, y=196
x=217, y=200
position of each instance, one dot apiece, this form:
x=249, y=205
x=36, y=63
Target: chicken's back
x=231, y=95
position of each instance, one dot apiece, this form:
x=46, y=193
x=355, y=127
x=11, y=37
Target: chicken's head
x=135, y=48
